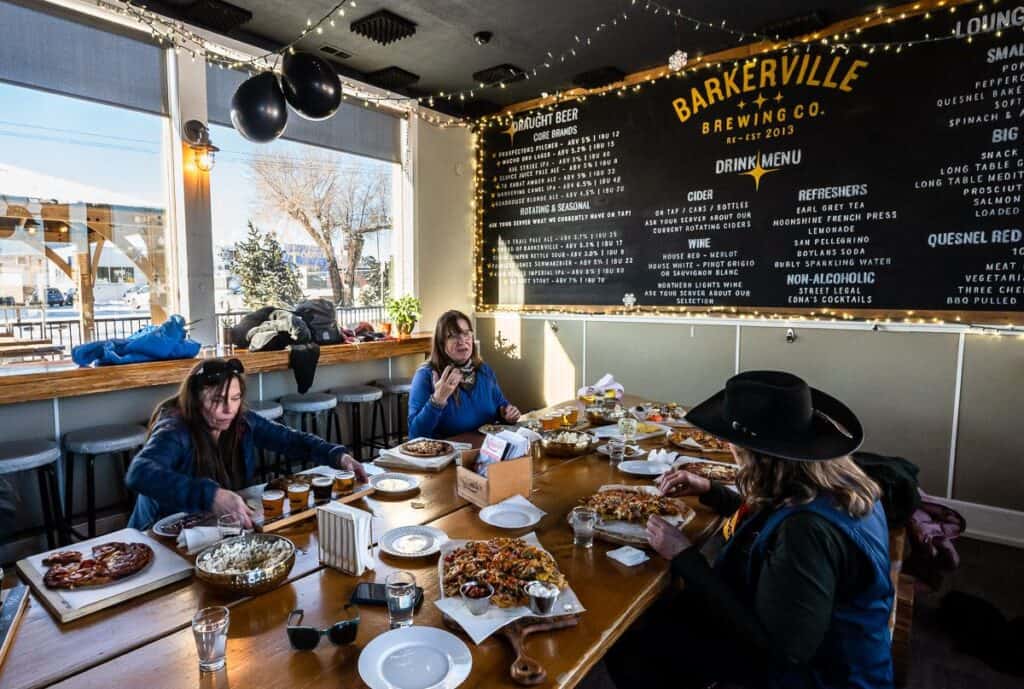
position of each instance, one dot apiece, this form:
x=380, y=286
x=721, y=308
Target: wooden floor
x=993, y=572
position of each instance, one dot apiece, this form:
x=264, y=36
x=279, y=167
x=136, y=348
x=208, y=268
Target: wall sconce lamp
x=197, y=136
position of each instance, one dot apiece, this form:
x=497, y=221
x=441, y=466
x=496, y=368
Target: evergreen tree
x=267, y=278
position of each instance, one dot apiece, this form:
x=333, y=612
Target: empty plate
x=392, y=482
x=509, y=516
x=415, y=658
x=641, y=467
x=412, y=541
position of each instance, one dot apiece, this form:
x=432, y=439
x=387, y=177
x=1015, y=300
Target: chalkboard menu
x=851, y=181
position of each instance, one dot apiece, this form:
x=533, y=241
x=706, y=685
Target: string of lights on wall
x=845, y=40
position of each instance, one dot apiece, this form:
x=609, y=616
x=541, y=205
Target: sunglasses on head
x=307, y=638
x=214, y=371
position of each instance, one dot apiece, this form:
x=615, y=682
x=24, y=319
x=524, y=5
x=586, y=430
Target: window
x=294, y=221
x=82, y=215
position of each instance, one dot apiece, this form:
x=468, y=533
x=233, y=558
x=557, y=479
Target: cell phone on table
x=376, y=594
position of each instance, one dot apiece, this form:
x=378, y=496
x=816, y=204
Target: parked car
x=54, y=297
x=69, y=297
x=138, y=297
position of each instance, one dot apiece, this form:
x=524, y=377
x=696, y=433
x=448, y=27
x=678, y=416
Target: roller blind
x=352, y=129
x=56, y=53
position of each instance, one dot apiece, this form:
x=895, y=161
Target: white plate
x=160, y=528
x=413, y=541
x=508, y=516
x=393, y=482
x=637, y=451
x=641, y=467
x=415, y=658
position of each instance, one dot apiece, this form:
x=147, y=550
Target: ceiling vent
x=335, y=52
x=216, y=15
x=792, y=27
x=499, y=74
x=383, y=27
x=393, y=78
x=602, y=76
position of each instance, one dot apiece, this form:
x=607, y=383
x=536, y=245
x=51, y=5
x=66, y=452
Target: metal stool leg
x=90, y=493
x=47, y=503
x=336, y=421
x=403, y=417
x=69, y=486
x=357, y=433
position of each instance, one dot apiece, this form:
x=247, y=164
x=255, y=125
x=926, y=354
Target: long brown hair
x=220, y=460
x=447, y=325
x=768, y=481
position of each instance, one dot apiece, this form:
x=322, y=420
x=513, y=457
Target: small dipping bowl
x=477, y=604
x=542, y=596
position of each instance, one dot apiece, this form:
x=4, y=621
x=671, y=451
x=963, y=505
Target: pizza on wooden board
x=712, y=472
x=70, y=569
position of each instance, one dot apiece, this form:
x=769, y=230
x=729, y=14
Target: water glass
x=210, y=626
x=616, y=451
x=229, y=525
x=400, y=589
x=627, y=428
x=583, y=520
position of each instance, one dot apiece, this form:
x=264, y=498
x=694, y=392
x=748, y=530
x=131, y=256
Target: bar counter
x=27, y=383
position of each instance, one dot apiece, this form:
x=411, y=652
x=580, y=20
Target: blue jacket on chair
x=163, y=472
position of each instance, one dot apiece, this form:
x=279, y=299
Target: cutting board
x=11, y=611
x=66, y=605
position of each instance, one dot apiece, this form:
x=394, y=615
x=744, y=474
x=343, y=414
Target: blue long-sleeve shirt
x=163, y=472
x=475, y=407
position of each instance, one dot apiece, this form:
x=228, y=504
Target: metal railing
x=68, y=332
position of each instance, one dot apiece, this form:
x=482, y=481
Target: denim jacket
x=163, y=475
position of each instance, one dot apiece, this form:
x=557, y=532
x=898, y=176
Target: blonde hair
x=768, y=481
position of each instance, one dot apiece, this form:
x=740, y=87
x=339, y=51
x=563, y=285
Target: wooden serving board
x=524, y=669
x=67, y=605
x=361, y=491
x=11, y=611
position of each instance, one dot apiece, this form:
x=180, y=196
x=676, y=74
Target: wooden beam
x=86, y=308
x=100, y=241
x=58, y=261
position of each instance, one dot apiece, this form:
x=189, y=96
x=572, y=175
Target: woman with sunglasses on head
x=202, y=446
x=800, y=593
x=455, y=391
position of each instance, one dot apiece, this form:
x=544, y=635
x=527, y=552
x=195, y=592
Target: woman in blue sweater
x=455, y=391
x=202, y=445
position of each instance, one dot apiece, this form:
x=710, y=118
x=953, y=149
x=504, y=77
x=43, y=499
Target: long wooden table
x=149, y=639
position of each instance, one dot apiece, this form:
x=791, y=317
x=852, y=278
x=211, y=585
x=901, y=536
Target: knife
x=13, y=609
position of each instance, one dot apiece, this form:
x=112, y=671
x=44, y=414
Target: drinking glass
x=627, y=427
x=401, y=596
x=210, y=626
x=584, y=519
x=230, y=525
x=616, y=451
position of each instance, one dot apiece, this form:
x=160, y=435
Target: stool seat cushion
x=309, y=402
x=100, y=440
x=268, y=409
x=21, y=455
x=353, y=394
x=394, y=386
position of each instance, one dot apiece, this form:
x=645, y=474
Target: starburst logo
x=757, y=172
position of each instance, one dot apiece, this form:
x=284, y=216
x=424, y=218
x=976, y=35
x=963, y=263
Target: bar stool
x=271, y=411
x=355, y=395
x=395, y=390
x=115, y=439
x=42, y=456
x=307, y=406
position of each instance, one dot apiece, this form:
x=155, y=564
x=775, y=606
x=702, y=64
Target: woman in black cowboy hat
x=800, y=593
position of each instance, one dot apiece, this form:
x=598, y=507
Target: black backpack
x=319, y=315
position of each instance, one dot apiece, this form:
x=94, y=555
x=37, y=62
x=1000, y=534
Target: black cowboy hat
x=778, y=414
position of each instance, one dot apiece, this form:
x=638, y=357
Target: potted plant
x=404, y=312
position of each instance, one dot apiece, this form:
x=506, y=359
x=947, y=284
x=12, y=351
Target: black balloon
x=258, y=108
x=311, y=86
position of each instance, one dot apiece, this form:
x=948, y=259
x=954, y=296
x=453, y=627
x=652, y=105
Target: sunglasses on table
x=214, y=371
x=307, y=638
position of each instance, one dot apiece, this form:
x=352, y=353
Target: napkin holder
x=504, y=479
x=344, y=537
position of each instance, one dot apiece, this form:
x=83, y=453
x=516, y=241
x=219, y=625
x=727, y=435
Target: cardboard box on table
x=503, y=480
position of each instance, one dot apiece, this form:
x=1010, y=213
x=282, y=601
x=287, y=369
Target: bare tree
x=337, y=206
